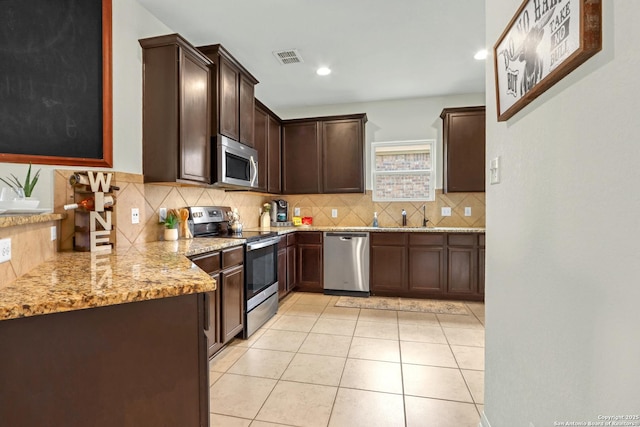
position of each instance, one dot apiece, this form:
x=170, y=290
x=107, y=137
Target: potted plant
x=171, y=225
x=26, y=189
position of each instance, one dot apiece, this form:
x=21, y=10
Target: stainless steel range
x=260, y=262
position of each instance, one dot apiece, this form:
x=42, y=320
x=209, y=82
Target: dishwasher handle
x=346, y=236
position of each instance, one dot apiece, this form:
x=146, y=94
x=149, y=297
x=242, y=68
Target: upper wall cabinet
x=176, y=111
x=267, y=143
x=232, y=90
x=464, y=149
x=323, y=155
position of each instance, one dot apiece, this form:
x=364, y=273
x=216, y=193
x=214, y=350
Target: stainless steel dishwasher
x=346, y=263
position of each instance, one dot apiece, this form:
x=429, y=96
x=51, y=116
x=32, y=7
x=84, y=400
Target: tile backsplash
x=353, y=209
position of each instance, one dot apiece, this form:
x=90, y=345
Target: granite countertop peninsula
x=79, y=280
x=14, y=220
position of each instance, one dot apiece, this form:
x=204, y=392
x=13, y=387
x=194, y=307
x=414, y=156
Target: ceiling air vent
x=286, y=57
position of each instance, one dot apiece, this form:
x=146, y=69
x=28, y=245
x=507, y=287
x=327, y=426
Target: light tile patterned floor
x=315, y=364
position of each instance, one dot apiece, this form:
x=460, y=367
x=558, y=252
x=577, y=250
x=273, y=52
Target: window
x=403, y=171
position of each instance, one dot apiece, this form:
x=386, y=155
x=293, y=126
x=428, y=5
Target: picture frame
x=543, y=42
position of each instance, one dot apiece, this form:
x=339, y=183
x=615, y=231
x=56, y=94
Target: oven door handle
x=262, y=244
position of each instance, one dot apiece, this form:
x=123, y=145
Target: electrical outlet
x=334, y=213
x=5, y=250
x=54, y=233
x=467, y=211
x=446, y=211
x=296, y=211
x=135, y=216
x=162, y=214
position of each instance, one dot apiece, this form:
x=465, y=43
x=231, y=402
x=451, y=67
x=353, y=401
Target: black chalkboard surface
x=52, y=81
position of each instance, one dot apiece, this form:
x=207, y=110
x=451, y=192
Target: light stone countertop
x=79, y=280
x=287, y=230
x=11, y=221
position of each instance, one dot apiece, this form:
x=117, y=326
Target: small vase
x=265, y=220
x=170, y=234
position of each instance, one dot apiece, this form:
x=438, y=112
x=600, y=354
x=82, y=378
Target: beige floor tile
x=476, y=308
x=269, y=323
x=374, y=349
x=422, y=353
x=263, y=424
x=315, y=369
x=240, y=396
x=291, y=298
x=294, y=323
x=372, y=375
x=475, y=382
x=334, y=327
x=280, y=340
x=480, y=409
x=459, y=321
x=214, y=376
x=380, y=330
x=422, y=333
x=305, y=310
x=469, y=357
x=326, y=345
x=262, y=363
x=435, y=382
x=313, y=299
x=470, y=337
x=417, y=318
x=423, y=412
x=226, y=358
x=298, y=404
x=239, y=342
x=225, y=421
x=361, y=408
x=371, y=315
x=344, y=313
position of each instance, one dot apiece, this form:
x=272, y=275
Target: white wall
x=563, y=252
x=130, y=23
x=397, y=120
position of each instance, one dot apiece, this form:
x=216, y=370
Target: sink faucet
x=424, y=216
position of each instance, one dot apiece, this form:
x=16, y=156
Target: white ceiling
x=377, y=49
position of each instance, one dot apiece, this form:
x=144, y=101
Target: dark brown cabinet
x=224, y=318
x=309, y=262
x=434, y=265
x=287, y=264
x=323, y=155
x=464, y=149
x=232, y=92
x=176, y=109
x=267, y=143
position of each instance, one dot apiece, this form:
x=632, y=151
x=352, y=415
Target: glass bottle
x=78, y=179
x=89, y=204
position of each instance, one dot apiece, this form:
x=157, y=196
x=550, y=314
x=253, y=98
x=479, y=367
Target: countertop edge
x=17, y=220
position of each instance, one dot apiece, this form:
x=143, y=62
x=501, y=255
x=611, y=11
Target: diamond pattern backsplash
x=354, y=210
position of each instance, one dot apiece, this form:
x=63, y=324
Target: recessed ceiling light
x=480, y=55
x=323, y=71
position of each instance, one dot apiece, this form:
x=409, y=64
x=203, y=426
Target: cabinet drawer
x=292, y=239
x=481, y=240
x=462, y=239
x=388, y=239
x=209, y=263
x=232, y=257
x=426, y=239
x=309, y=237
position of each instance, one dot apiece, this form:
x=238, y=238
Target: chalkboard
x=55, y=82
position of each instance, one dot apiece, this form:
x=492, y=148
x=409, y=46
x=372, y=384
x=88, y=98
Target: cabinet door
x=462, y=270
x=426, y=270
x=292, y=257
x=212, y=319
x=481, y=271
x=342, y=156
x=246, y=111
x=388, y=269
x=464, y=149
x=194, y=120
x=261, y=135
x=310, y=267
x=232, y=302
x=282, y=273
x=228, y=100
x=273, y=156
x=301, y=158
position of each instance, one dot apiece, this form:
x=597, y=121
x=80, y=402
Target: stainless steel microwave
x=236, y=164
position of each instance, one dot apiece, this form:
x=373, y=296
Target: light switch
x=494, y=171
x=162, y=214
x=334, y=213
x=54, y=233
x=467, y=211
x=5, y=250
x=446, y=211
x=296, y=211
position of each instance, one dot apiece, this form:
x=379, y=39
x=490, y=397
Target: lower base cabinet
x=309, y=262
x=224, y=318
x=287, y=264
x=427, y=265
